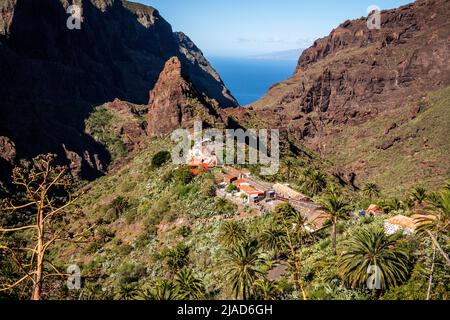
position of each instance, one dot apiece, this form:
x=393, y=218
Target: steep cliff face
x=176, y=103
x=51, y=76
x=348, y=74
x=357, y=78
x=197, y=67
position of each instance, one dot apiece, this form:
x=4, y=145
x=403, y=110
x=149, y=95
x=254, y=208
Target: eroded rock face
x=347, y=77
x=176, y=103
x=130, y=128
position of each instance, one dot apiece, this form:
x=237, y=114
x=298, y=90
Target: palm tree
x=267, y=290
x=232, y=233
x=188, y=285
x=418, y=195
x=314, y=180
x=371, y=190
x=243, y=261
x=438, y=219
x=293, y=224
x=284, y=211
x=337, y=208
x=273, y=239
x=373, y=248
x=177, y=257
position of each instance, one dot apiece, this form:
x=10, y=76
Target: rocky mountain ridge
x=354, y=80
x=52, y=77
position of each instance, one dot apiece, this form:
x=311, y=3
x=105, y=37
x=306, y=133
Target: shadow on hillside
x=52, y=76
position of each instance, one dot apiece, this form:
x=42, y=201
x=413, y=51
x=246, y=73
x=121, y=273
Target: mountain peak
x=172, y=69
x=175, y=102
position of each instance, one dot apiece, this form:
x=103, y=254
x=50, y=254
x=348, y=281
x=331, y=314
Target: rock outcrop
x=130, y=127
x=348, y=76
x=176, y=103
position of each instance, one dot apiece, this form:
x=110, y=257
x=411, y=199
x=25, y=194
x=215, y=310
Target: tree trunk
x=436, y=244
x=333, y=238
x=430, y=284
x=298, y=282
x=40, y=258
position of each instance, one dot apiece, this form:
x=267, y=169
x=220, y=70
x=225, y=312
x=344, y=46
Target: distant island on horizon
x=287, y=55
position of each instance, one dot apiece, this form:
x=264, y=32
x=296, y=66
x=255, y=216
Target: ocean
x=249, y=79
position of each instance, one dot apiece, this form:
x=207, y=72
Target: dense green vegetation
x=158, y=232
x=99, y=125
x=411, y=162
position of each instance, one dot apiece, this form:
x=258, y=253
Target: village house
x=287, y=192
x=239, y=182
x=229, y=179
x=253, y=195
x=204, y=153
x=399, y=223
x=240, y=174
x=196, y=168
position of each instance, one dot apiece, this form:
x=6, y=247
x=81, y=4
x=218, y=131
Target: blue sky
x=239, y=28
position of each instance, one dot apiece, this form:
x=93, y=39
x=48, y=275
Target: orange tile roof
x=403, y=221
x=239, y=182
x=251, y=191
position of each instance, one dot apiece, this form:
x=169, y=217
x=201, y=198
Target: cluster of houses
x=251, y=191
x=202, y=158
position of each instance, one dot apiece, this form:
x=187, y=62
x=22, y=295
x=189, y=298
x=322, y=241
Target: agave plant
x=372, y=248
x=128, y=292
x=189, y=286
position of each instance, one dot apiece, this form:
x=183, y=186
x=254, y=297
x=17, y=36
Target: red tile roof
x=239, y=182
x=251, y=191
